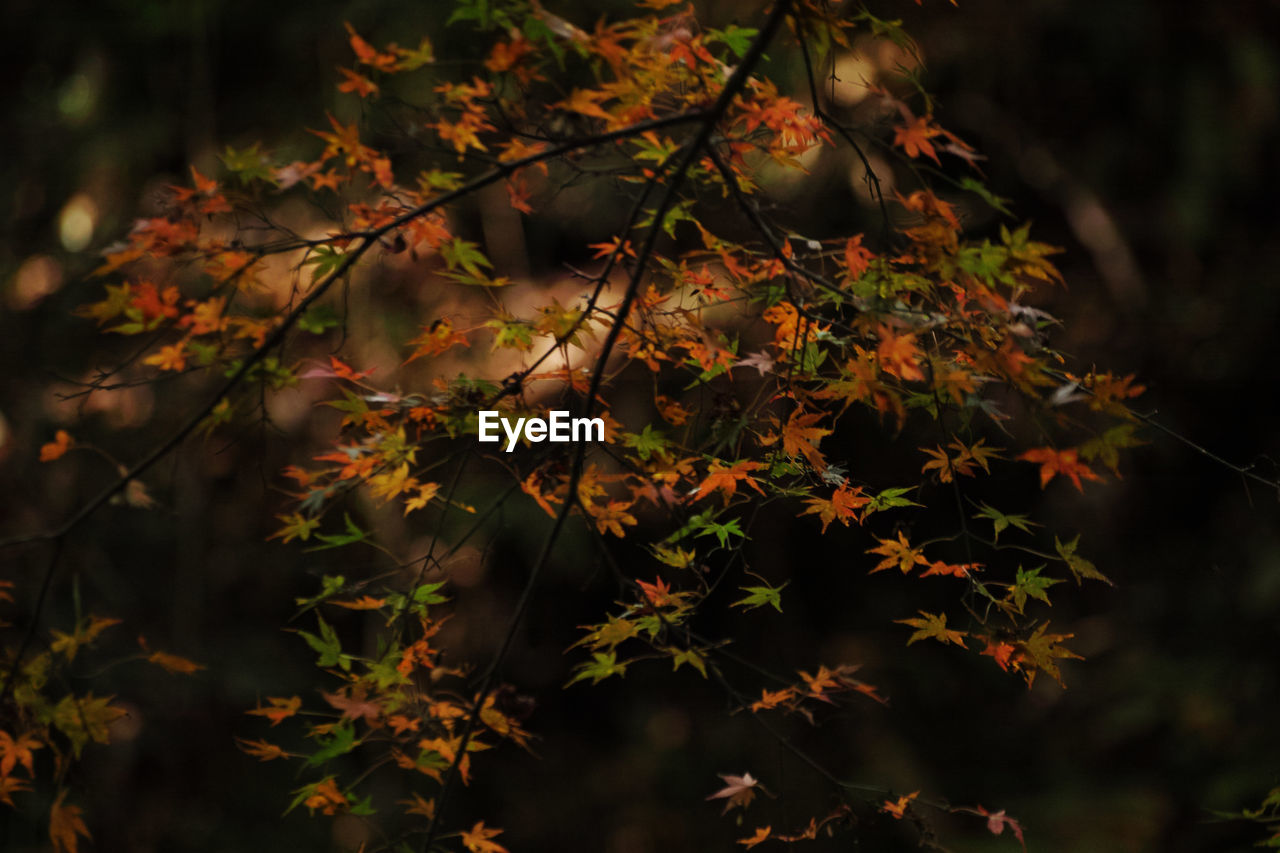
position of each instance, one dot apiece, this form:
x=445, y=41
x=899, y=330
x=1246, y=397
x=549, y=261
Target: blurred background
x=1141, y=137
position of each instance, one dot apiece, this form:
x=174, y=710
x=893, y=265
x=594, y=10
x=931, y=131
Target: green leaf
x=342, y=740
x=1000, y=521
x=761, y=595
x=318, y=320
x=1029, y=584
x=330, y=585
x=1079, y=566
x=890, y=499
x=737, y=39
x=647, y=442
x=463, y=253
x=689, y=656
x=354, y=534
x=248, y=165
x=327, y=646
x=722, y=531
x=979, y=189
x=602, y=665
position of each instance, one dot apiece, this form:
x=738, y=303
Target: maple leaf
x=419, y=805
x=65, y=824
x=10, y=786
x=1043, y=650
x=958, y=570
x=586, y=102
x=761, y=361
x=15, y=751
x=997, y=821
x=1029, y=584
x=898, y=807
x=933, y=626
x=899, y=355
x=800, y=437
x=899, y=554
x=761, y=833
x=1053, y=462
x=857, y=258
x=324, y=795
x=62, y=442
x=773, y=698
x=278, y=708
x=737, y=791
x=354, y=706
x=86, y=632
x=914, y=136
x=477, y=839
x=1079, y=566
x=261, y=750
x=843, y=506
x=1000, y=521
x=726, y=478
x=602, y=665
x=174, y=663
x=761, y=595
x=1000, y=651
x=358, y=83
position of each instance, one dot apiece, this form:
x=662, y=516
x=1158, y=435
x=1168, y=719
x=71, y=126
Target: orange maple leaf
x=477, y=840
x=898, y=807
x=843, y=506
x=61, y=443
x=727, y=477
x=899, y=355
x=261, y=750
x=279, y=708
x=914, y=136
x=174, y=663
x=762, y=832
x=1066, y=462
x=800, y=437
x=65, y=823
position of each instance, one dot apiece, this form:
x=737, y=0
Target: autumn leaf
x=933, y=626
x=62, y=442
x=842, y=506
x=65, y=824
x=898, y=807
x=174, y=663
x=899, y=356
x=1043, y=650
x=899, y=554
x=997, y=821
x=737, y=791
x=477, y=839
x=800, y=437
x=1053, y=462
x=261, y=750
x=761, y=833
x=85, y=634
x=354, y=706
x=278, y=709
x=727, y=477
x=914, y=136
x=15, y=751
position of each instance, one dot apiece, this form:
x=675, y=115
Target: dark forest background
x=1142, y=137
